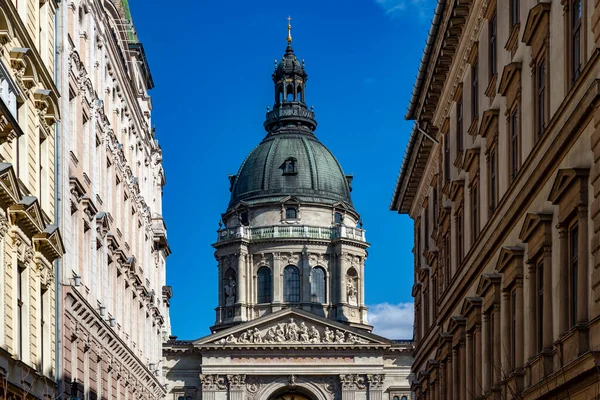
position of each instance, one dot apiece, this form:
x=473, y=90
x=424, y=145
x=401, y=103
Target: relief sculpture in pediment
x=291, y=332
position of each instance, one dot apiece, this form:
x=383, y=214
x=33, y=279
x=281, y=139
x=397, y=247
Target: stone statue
x=270, y=336
x=314, y=335
x=244, y=338
x=304, y=337
x=256, y=337
x=328, y=335
x=292, y=331
x=280, y=334
x=230, y=292
x=339, y=336
x=351, y=291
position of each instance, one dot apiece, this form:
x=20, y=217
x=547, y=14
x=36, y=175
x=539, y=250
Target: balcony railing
x=291, y=231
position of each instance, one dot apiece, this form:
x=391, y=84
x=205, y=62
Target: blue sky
x=212, y=64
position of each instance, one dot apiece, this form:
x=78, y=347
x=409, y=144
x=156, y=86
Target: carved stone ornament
x=375, y=381
x=213, y=382
x=292, y=333
x=236, y=382
x=352, y=382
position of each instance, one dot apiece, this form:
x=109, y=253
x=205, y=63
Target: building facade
x=506, y=201
x=30, y=242
x=291, y=319
x=113, y=299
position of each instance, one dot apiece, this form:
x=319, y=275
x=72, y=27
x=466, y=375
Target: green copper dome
x=290, y=165
x=290, y=161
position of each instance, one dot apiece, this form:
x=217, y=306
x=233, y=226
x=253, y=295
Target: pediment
x=9, y=188
x=510, y=72
x=535, y=17
x=507, y=254
x=486, y=282
x=291, y=327
x=290, y=200
x=532, y=222
x=488, y=119
x=565, y=178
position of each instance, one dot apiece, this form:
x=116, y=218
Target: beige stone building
x=291, y=320
x=506, y=201
x=113, y=298
x=29, y=239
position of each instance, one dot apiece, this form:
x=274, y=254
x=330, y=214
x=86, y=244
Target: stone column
x=342, y=279
x=462, y=390
x=277, y=281
x=375, y=386
x=306, y=282
x=237, y=387
x=548, y=337
x=442, y=379
x=531, y=321
x=563, y=281
x=361, y=293
x=212, y=384
x=347, y=383
x=486, y=377
x=241, y=279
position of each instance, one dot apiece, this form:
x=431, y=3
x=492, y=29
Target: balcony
x=291, y=232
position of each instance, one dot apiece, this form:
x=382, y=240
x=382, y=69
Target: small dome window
x=338, y=218
x=289, y=166
x=291, y=213
x=244, y=218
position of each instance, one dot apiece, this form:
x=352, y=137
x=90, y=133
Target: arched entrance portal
x=288, y=395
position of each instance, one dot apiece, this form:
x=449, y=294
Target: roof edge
x=433, y=32
x=398, y=196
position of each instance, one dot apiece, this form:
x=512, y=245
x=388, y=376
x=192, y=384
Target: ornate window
x=475, y=210
x=475, y=90
x=244, y=218
x=459, y=125
x=291, y=213
x=573, y=271
x=575, y=22
x=515, y=141
x=291, y=284
x=338, y=218
x=541, y=97
x=493, y=45
x=317, y=285
x=514, y=12
x=493, y=178
x=264, y=285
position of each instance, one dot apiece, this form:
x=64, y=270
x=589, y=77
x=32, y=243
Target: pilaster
x=237, y=387
x=375, y=386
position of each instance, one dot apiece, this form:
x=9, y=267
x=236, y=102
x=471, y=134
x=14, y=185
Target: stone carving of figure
x=244, y=338
x=270, y=336
x=328, y=335
x=314, y=335
x=230, y=292
x=230, y=339
x=304, y=337
x=279, y=334
x=351, y=291
x=339, y=336
x=256, y=337
x=292, y=331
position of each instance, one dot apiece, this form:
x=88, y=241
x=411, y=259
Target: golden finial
x=289, y=38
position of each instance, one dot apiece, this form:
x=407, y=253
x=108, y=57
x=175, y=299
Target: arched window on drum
x=264, y=285
x=318, y=293
x=291, y=284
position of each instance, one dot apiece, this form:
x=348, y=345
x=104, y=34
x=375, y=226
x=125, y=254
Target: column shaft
x=548, y=337
x=582, y=261
x=563, y=311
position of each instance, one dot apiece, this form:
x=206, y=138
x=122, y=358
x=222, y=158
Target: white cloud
x=394, y=7
x=392, y=321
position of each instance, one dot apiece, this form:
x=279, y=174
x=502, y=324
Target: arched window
x=404, y=398
x=397, y=398
x=290, y=93
x=317, y=285
x=291, y=284
x=291, y=213
x=280, y=95
x=299, y=95
x=264, y=285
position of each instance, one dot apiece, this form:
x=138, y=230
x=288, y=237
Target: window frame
x=515, y=7
x=460, y=233
x=475, y=210
x=493, y=178
x=459, y=125
x=291, y=293
x=541, y=96
x=475, y=89
x=264, y=288
x=319, y=297
x=447, y=158
x=575, y=45
x=514, y=140
x=539, y=303
x=493, y=44
x=289, y=210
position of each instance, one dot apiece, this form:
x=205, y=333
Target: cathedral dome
x=290, y=164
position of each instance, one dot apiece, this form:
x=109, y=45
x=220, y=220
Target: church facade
x=291, y=321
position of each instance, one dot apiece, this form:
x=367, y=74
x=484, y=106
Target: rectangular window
x=515, y=139
x=576, y=14
x=540, y=305
x=573, y=271
x=425, y=310
x=459, y=125
x=491, y=365
x=513, y=328
x=20, y=310
x=434, y=289
x=493, y=46
x=42, y=334
x=459, y=239
x=426, y=228
x=514, y=13
x=475, y=210
x=435, y=205
x=493, y=172
x=475, y=90
x=418, y=244
x=447, y=252
x=447, y=158
x=541, y=97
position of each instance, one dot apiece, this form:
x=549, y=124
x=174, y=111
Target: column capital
x=375, y=381
x=213, y=382
x=236, y=382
